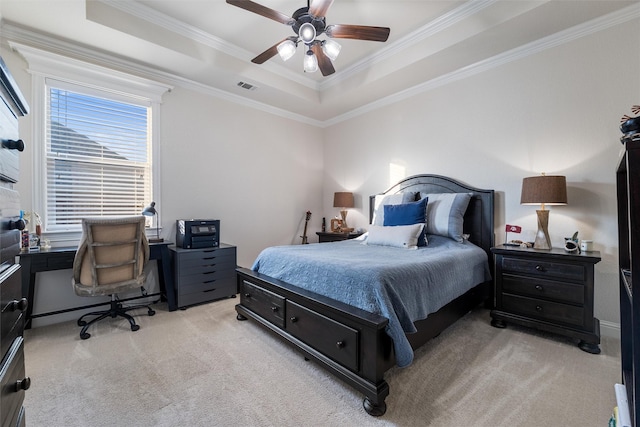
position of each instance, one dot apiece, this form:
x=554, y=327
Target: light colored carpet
x=202, y=367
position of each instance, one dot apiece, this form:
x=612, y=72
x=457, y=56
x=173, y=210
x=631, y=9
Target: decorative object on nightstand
x=548, y=290
x=541, y=190
x=152, y=211
x=343, y=200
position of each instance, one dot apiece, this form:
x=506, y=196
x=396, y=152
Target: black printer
x=197, y=233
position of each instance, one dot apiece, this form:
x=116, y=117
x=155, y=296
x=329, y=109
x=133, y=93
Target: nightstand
x=335, y=237
x=551, y=290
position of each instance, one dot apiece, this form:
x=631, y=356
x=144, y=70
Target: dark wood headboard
x=478, y=220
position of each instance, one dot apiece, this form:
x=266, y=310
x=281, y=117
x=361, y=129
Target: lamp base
x=343, y=214
x=542, y=236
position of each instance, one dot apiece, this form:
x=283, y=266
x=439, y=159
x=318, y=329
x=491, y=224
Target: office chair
x=112, y=258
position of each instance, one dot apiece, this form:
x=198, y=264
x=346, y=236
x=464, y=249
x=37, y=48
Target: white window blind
x=97, y=157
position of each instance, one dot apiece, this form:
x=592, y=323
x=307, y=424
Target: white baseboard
x=609, y=329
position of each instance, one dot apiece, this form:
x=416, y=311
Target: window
x=97, y=157
x=95, y=142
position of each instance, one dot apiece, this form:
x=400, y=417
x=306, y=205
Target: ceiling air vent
x=247, y=86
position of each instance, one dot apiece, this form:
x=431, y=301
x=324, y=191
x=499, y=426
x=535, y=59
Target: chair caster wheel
x=81, y=323
x=85, y=336
x=151, y=312
x=135, y=327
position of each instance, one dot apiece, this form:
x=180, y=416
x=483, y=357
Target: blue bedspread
x=402, y=285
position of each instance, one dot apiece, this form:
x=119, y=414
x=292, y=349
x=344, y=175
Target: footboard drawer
x=264, y=303
x=332, y=338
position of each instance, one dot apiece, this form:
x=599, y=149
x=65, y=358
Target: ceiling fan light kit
x=287, y=49
x=310, y=62
x=331, y=49
x=308, y=23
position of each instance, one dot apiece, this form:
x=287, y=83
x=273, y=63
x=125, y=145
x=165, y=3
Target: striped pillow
x=445, y=214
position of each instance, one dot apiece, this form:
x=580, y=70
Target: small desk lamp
x=343, y=200
x=151, y=211
x=543, y=189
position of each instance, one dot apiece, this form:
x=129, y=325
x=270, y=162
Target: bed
x=326, y=314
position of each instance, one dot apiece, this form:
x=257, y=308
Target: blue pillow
x=408, y=214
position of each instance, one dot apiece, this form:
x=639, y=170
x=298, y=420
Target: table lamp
x=151, y=211
x=543, y=189
x=343, y=200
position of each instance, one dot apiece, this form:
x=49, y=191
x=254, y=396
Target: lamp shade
x=544, y=189
x=343, y=199
x=150, y=210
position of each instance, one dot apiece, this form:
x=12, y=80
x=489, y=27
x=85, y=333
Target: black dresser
x=13, y=381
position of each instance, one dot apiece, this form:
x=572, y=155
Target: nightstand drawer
x=544, y=310
x=552, y=269
x=541, y=288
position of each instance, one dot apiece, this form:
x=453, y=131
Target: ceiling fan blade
x=263, y=11
x=269, y=53
x=324, y=63
x=319, y=8
x=358, y=32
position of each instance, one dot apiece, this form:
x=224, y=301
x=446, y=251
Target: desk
x=62, y=259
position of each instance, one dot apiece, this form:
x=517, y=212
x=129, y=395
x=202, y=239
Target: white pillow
x=390, y=199
x=400, y=236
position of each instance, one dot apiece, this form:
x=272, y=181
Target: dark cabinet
x=550, y=290
x=13, y=381
x=203, y=275
x=628, y=193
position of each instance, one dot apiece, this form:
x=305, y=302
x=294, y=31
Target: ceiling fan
x=308, y=23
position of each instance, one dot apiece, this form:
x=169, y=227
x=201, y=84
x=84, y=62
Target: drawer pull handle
x=209, y=272
x=340, y=344
x=247, y=295
x=538, y=308
x=539, y=267
x=274, y=308
x=23, y=384
x=13, y=145
x=538, y=288
x=19, y=305
x=210, y=257
x=210, y=290
x=293, y=319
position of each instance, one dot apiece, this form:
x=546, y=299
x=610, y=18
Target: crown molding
x=441, y=23
x=590, y=27
x=19, y=34
x=174, y=25
x=10, y=32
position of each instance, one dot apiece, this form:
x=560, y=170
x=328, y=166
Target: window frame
x=47, y=67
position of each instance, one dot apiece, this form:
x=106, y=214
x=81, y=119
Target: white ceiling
x=208, y=44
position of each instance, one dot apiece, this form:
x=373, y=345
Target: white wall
x=556, y=112
x=250, y=169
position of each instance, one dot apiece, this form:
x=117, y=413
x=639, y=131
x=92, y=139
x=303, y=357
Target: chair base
x=114, y=311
